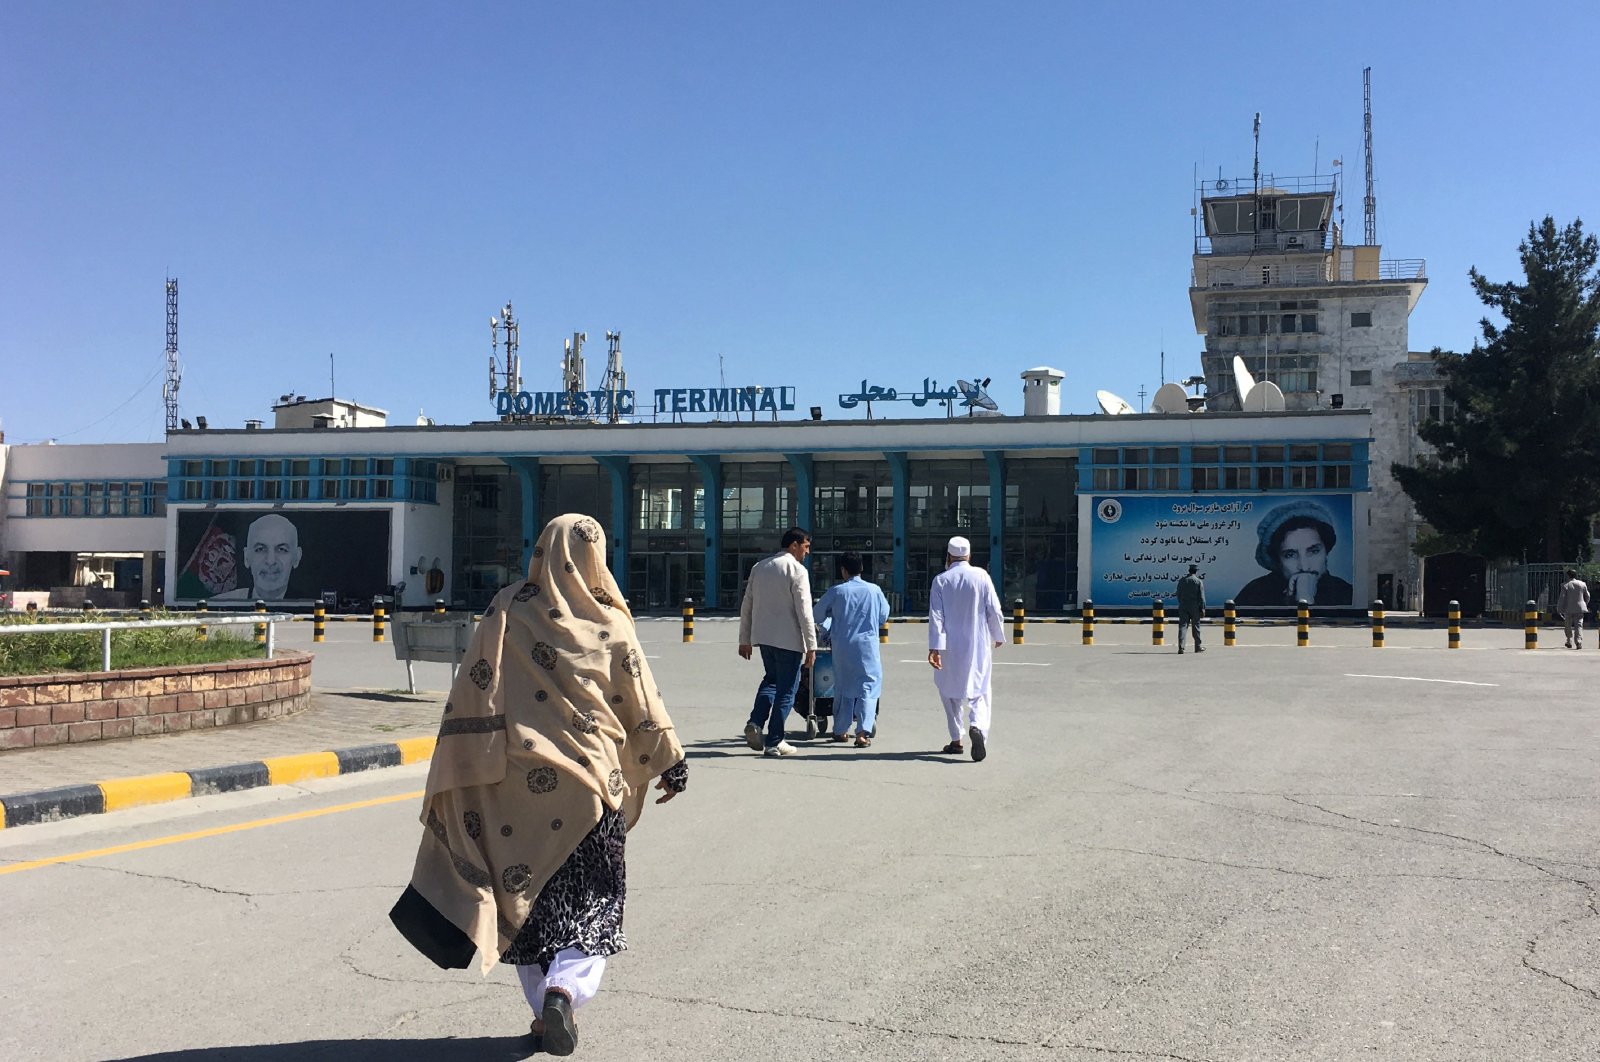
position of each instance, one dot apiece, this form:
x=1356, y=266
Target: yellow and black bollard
x=1455, y=625
x=1158, y=622
x=1377, y=623
x=1230, y=622
x=688, y=619
x=1018, y=617
x=319, y=623
x=1088, y=622
x=377, y=619
x=883, y=634
x=200, y=607
x=1530, y=625
x=1302, y=629
x=438, y=606
x=261, y=628
x=145, y=612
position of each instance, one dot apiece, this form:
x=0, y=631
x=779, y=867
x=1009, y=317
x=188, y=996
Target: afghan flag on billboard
x=213, y=566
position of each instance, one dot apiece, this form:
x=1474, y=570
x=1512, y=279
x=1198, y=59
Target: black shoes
x=560, y=1032
x=979, y=751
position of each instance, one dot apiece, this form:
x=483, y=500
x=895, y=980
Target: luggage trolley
x=816, y=693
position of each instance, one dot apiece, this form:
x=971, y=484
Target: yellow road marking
x=197, y=835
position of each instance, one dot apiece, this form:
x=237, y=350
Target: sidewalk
x=336, y=720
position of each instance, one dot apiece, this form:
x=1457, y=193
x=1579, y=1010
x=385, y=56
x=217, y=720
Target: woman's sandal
x=862, y=741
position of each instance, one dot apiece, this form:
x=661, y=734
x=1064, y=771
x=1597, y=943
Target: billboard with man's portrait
x=281, y=554
x=1259, y=550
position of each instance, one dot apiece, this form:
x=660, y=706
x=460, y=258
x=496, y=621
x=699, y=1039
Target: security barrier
x=1377, y=623
x=377, y=619
x=261, y=628
x=1158, y=622
x=1230, y=623
x=1017, y=620
x=1302, y=623
x=1088, y=622
x=1530, y=625
x=688, y=619
x=1454, y=641
x=319, y=624
x=204, y=633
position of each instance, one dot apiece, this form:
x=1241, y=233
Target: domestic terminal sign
x=668, y=400
x=563, y=403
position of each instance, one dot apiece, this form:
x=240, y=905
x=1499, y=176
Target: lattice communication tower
x=169, y=387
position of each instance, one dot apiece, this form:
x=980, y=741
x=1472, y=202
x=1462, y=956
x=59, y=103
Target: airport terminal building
x=1059, y=508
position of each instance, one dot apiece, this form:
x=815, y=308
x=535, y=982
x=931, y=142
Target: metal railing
x=269, y=619
x=1280, y=276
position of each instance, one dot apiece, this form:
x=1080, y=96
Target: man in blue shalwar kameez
x=854, y=610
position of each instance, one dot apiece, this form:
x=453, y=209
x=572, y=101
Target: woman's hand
x=667, y=792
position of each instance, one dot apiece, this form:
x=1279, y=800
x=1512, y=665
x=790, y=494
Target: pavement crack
x=1531, y=862
x=1532, y=947
x=247, y=897
x=1207, y=862
x=760, y=1012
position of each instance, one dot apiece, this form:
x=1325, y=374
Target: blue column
x=900, y=473
x=805, y=485
x=527, y=470
x=621, y=483
x=997, y=519
x=710, y=467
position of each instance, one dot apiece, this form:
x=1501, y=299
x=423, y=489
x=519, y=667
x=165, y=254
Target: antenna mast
x=573, y=376
x=512, y=374
x=1255, y=177
x=169, y=388
x=1369, y=205
x=616, y=380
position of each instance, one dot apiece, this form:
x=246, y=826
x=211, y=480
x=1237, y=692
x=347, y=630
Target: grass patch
x=46, y=651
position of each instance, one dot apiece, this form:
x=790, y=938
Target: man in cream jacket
x=776, y=615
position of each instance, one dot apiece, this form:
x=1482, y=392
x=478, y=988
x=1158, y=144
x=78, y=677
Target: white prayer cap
x=959, y=547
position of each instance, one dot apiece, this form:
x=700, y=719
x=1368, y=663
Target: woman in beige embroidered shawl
x=552, y=734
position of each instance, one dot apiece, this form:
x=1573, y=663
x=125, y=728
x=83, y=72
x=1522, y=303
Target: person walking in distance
x=1191, y=606
x=1573, y=604
x=965, y=626
x=854, y=609
x=776, y=615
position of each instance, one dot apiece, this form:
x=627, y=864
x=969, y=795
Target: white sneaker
x=782, y=748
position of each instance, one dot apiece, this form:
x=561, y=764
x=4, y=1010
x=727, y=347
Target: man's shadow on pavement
x=442, y=1049
x=810, y=751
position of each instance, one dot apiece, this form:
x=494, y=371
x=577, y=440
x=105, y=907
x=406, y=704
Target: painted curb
x=68, y=802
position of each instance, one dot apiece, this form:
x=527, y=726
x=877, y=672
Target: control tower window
x=1229, y=217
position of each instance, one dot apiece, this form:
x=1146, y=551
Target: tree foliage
x=1516, y=470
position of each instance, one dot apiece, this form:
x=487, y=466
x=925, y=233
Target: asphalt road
x=1259, y=853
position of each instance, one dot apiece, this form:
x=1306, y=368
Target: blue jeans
x=775, y=695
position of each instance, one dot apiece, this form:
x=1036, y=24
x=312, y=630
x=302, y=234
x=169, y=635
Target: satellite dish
x=1170, y=398
x=1264, y=397
x=1115, y=405
x=975, y=396
x=1242, y=380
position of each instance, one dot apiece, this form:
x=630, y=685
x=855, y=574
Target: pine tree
x=1516, y=469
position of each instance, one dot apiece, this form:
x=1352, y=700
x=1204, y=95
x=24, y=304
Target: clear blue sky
x=818, y=192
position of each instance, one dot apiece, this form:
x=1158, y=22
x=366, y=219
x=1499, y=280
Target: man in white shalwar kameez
x=965, y=626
